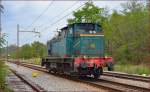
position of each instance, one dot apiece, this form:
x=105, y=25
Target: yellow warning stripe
x=90, y=35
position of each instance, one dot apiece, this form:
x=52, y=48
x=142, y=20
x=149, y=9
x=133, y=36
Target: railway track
x=122, y=75
x=35, y=87
x=127, y=76
x=101, y=83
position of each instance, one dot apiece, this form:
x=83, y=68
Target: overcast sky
x=25, y=12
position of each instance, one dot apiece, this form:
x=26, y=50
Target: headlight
x=90, y=32
x=94, y=32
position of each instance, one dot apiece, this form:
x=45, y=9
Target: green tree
x=2, y=42
x=12, y=49
x=38, y=49
x=127, y=33
x=25, y=51
x=89, y=14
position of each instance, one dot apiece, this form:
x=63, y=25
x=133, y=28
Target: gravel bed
x=121, y=80
x=52, y=83
x=16, y=84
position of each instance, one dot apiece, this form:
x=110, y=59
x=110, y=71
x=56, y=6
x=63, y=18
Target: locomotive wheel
x=53, y=71
x=110, y=66
x=49, y=70
x=98, y=72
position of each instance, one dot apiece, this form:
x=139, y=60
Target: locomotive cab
x=88, y=48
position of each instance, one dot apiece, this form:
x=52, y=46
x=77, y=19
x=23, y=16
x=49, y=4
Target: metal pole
x=18, y=30
x=7, y=51
x=0, y=32
x=0, y=26
x=0, y=20
x=1, y=11
x=18, y=43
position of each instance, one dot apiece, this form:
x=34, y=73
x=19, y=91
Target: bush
x=133, y=69
x=3, y=74
x=36, y=61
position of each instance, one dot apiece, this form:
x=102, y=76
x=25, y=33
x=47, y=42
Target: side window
x=99, y=28
x=66, y=33
x=70, y=31
x=63, y=34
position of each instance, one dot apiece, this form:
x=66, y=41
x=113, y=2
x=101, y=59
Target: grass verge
x=133, y=69
x=3, y=73
x=36, y=61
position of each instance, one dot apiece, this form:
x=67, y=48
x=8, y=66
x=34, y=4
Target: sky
x=25, y=13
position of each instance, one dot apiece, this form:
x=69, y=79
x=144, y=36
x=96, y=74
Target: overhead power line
x=59, y=14
x=62, y=18
x=40, y=14
x=44, y=29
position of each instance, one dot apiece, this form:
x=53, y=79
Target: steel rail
x=101, y=83
x=28, y=82
x=121, y=75
x=127, y=76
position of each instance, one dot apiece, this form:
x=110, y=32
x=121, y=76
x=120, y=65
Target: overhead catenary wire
x=52, y=24
x=37, y=18
x=60, y=13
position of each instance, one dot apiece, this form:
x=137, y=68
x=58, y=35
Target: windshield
x=85, y=28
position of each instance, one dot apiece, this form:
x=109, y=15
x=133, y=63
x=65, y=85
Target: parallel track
x=127, y=76
x=35, y=87
x=105, y=84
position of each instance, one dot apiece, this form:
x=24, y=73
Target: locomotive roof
x=66, y=27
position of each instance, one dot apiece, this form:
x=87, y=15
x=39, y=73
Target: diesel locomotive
x=78, y=50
